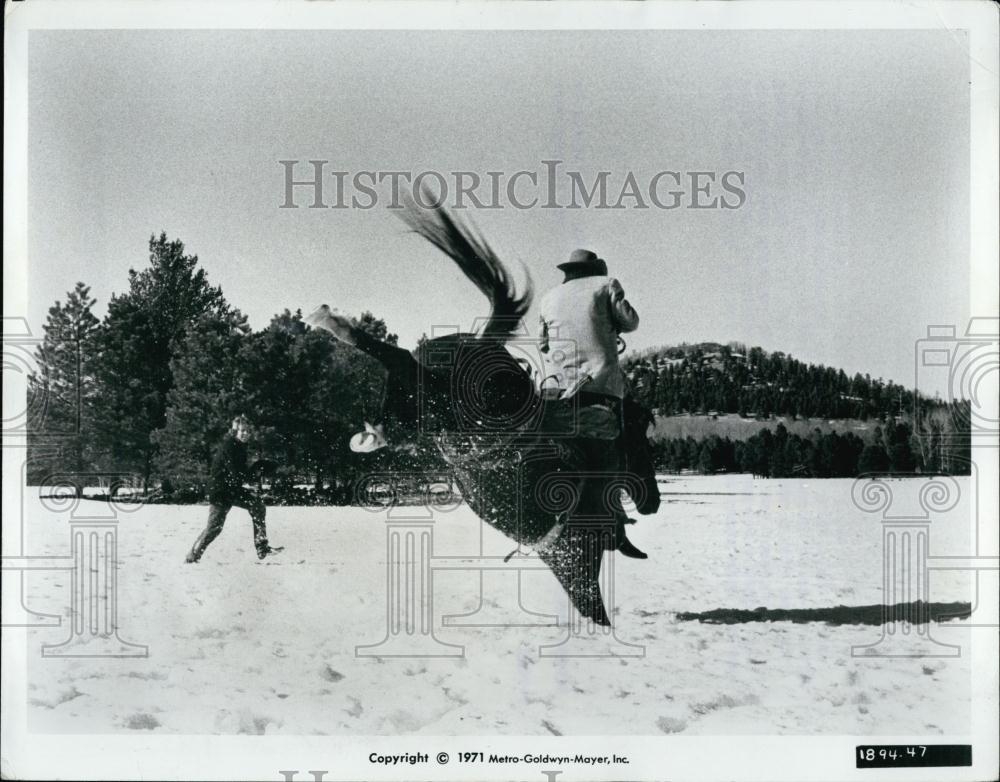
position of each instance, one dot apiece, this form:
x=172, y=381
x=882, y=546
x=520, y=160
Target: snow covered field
x=238, y=646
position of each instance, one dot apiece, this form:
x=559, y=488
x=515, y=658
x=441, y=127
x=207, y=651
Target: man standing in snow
x=589, y=309
x=225, y=489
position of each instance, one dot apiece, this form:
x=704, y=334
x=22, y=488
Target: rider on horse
x=468, y=396
x=587, y=312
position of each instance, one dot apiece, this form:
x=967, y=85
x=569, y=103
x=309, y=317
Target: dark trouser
x=217, y=513
x=601, y=458
x=597, y=497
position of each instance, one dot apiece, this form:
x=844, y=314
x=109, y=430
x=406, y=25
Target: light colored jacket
x=580, y=323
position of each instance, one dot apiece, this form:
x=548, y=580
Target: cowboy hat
x=371, y=439
x=585, y=263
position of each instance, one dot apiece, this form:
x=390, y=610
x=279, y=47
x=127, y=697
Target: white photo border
x=100, y=756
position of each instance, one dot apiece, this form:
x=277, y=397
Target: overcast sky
x=853, y=237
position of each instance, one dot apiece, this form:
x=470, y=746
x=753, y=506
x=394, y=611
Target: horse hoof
x=318, y=315
x=324, y=318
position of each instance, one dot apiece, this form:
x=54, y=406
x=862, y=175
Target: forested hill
x=710, y=378
x=729, y=396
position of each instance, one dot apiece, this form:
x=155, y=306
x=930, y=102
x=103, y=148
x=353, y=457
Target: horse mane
x=470, y=252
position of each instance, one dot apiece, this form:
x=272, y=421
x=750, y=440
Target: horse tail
x=469, y=250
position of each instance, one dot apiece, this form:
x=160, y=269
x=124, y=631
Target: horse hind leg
x=341, y=327
x=403, y=394
x=392, y=357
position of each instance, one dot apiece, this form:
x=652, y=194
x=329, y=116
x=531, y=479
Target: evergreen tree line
x=150, y=390
x=712, y=378
x=780, y=454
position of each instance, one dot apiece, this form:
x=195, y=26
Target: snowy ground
x=238, y=646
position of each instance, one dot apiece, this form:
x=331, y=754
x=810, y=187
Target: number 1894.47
x=891, y=753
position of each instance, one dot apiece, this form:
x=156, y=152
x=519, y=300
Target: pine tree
x=874, y=459
x=901, y=457
x=779, y=465
x=208, y=392
x=278, y=375
x=144, y=329
x=59, y=436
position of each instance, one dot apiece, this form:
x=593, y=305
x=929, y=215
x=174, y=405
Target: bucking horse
x=509, y=443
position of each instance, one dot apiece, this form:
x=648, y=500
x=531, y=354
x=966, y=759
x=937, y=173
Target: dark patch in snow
x=919, y=611
x=356, y=709
x=141, y=721
x=453, y=697
x=254, y=726
x=331, y=675
x=64, y=697
x=155, y=676
x=671, y=725
x=722, y=702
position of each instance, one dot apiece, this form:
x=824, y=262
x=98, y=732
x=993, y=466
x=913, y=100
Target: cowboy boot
x=622, y=543
x=629, y=549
